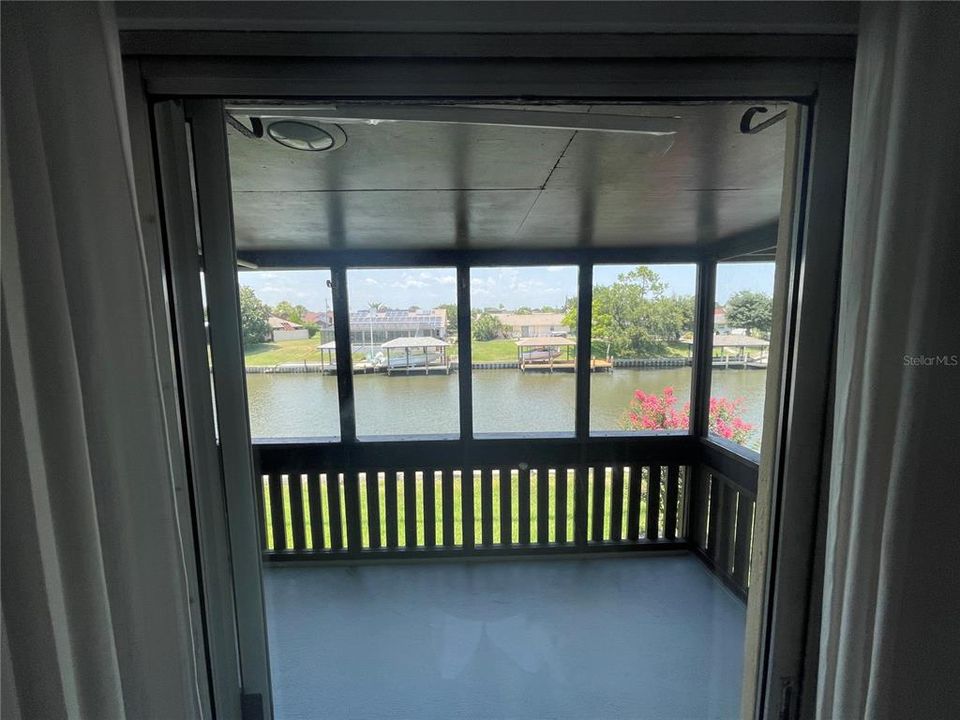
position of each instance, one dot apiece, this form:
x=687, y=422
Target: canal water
x=505, y=401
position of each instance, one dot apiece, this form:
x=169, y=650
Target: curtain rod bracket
x=748, y=118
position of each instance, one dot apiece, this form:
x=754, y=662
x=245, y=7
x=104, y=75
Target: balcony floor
x=642, y=636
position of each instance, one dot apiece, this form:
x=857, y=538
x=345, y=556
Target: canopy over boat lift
x=328, y=357
x=541, y=353
x=740, y=343
x=428, y=354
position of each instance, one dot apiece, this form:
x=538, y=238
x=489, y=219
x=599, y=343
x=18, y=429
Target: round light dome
x=299, y=135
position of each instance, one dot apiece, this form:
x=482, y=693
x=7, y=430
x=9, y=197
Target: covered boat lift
x=539, y=353
x=428, y=346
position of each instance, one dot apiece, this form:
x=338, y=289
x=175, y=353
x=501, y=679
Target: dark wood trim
x=470, y=257
x=733, y=463
x=655, y=79
x=206, y=43
x=287, y=457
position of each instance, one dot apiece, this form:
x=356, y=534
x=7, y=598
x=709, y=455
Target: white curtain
x=95, y=605
x=890, y=636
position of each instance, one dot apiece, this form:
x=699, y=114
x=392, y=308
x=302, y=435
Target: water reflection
x=305, y=405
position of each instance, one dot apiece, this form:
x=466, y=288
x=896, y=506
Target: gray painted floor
x=638, y=637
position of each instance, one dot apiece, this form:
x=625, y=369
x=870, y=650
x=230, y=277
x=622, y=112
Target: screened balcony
x=615, y=563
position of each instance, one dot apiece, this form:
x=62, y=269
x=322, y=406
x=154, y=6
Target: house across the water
x=281, y=330
x=538, y=324
x=375, y=327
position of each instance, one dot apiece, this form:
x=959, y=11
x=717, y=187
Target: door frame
x=784, y=671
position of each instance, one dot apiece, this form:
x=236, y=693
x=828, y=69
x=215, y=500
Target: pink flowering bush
x=649, y=411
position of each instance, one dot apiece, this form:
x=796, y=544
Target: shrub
x=649, y=411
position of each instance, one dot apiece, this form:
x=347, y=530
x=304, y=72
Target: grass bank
x=298, y=351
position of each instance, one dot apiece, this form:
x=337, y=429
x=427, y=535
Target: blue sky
x=512, y=286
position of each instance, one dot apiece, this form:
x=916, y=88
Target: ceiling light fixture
x=305, y=135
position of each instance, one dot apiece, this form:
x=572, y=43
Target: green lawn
x=494, y=350
x=288, y=351
x=321, y=485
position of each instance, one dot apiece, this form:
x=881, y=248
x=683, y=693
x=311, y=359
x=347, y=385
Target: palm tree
x=374, y=308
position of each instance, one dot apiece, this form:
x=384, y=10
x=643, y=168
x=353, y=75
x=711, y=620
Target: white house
x=282, y=330
x=532, y=324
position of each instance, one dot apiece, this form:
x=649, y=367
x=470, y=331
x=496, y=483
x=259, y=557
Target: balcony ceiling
x=405, y=185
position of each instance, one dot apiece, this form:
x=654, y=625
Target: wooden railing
x=530, y=497
x=416, y=499
x=722, y=514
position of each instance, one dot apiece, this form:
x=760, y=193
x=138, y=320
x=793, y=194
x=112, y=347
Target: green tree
x=254, y=314
x=451, y=311
x=632, y=316
x=487, y=327
x=671, y=317
x=750, y=310
x=288, y=311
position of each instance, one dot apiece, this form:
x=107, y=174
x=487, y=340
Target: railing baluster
x=698, y=497
x=599, y=493
x=713, y=519
x=543, y=505
x=486, y=506
x=506, y=513
x=351, y=498
x=295, y=488
x=467, y=513
x=725, y=529
x=333, y=508
x=446, y=502
x=633, y=503
x=561, y=478
x=523, y=500
x=653, y=502
x=316, y=513
x=390, y=506
x=741, y=552
x=670, y=521
x=410, y=508
x=262, y=489
x=373, y=508
x=275, y=483
x=429, y=508
x=616, y=504
x=580, y=490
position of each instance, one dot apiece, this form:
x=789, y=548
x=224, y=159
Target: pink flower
x=649, y=411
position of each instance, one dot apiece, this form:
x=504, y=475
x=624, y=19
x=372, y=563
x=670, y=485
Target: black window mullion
x=465, y=361
x=703, y=348
x=341, y=334
x=584, y=320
